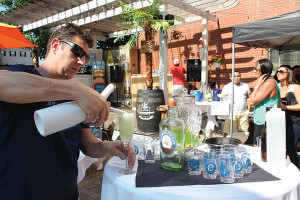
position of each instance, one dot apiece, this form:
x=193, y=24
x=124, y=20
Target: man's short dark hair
x=68, y=32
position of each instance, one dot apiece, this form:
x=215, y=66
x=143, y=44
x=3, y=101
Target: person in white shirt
x=241, y=108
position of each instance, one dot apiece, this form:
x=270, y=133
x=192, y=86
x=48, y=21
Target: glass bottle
x=264, y=140
x=172, y=138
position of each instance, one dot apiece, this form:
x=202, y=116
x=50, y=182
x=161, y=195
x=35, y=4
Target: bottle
x=276, y=138
x=264, y=140
x=172, y=139
x=126, y=80
x=110, y=62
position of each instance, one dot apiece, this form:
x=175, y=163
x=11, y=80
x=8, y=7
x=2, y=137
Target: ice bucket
x=216, y=143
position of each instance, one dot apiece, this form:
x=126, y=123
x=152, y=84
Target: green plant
x=217, y=57
x=147, y=20
x=175, y=35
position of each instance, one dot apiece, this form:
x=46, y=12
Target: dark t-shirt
x=32, y=166
x=292, y=117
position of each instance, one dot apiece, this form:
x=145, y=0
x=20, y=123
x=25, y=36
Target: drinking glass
x=209, y=166
x=126, y=125
x=227, y=169
x=194, y=165
x=194, y=124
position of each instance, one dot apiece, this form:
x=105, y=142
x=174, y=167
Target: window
x=289, y=58
x=12, y=53
x=3, y=53
x=31, y=54
x=22, y=54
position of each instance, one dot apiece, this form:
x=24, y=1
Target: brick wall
x=220, y=37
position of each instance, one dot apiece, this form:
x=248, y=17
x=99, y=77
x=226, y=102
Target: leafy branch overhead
x=147, y=20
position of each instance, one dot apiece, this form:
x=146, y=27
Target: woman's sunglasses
x=77, y=50
x=281, y=72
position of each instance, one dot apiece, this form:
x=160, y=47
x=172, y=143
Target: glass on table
x=227, y=164
x=238, y=167
x=194, y=124
x=149, y=152
x=229, y=149
x=138, y=146
x=209, y=166
x=126, y=126
x=156, y=144
x=194, y=164
x=246, y=160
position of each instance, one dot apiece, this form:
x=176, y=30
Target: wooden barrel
x=147, y=116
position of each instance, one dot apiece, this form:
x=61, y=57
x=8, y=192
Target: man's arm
x=21, y=87
x=93, y=147
x=224, y=96
x=224, y=92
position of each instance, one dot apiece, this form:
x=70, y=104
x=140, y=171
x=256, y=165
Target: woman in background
x=265, y=94
x=290, y=96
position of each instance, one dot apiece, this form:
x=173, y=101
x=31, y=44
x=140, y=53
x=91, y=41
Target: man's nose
x=81, y=60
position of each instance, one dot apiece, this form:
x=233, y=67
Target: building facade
x=220, y=39
x=14, y=56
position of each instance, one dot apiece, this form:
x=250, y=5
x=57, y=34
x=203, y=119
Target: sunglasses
x=281, y=72
x=77, y=50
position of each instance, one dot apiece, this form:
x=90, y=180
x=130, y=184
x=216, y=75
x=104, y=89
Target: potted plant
x=217, y=59
x=149, y=21
x=175, y=35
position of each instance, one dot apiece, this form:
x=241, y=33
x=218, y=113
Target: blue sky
x=2, y=8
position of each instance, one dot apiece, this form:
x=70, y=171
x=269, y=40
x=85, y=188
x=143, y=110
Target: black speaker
x=115, y=74
x=193, y=70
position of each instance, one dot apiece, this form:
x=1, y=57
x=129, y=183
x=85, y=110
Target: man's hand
x=96, y=106
x=117, y=148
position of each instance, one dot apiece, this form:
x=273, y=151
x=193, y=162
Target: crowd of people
x=282, y=91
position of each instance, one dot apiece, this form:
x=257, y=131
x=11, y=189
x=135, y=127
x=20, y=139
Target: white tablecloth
x=119, y=187
x=212, y=109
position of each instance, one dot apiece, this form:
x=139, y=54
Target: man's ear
x=55, y=44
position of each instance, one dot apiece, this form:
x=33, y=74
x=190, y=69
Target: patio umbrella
x=11, y=37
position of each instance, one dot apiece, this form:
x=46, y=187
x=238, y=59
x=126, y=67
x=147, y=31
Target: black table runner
x=152, y=175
